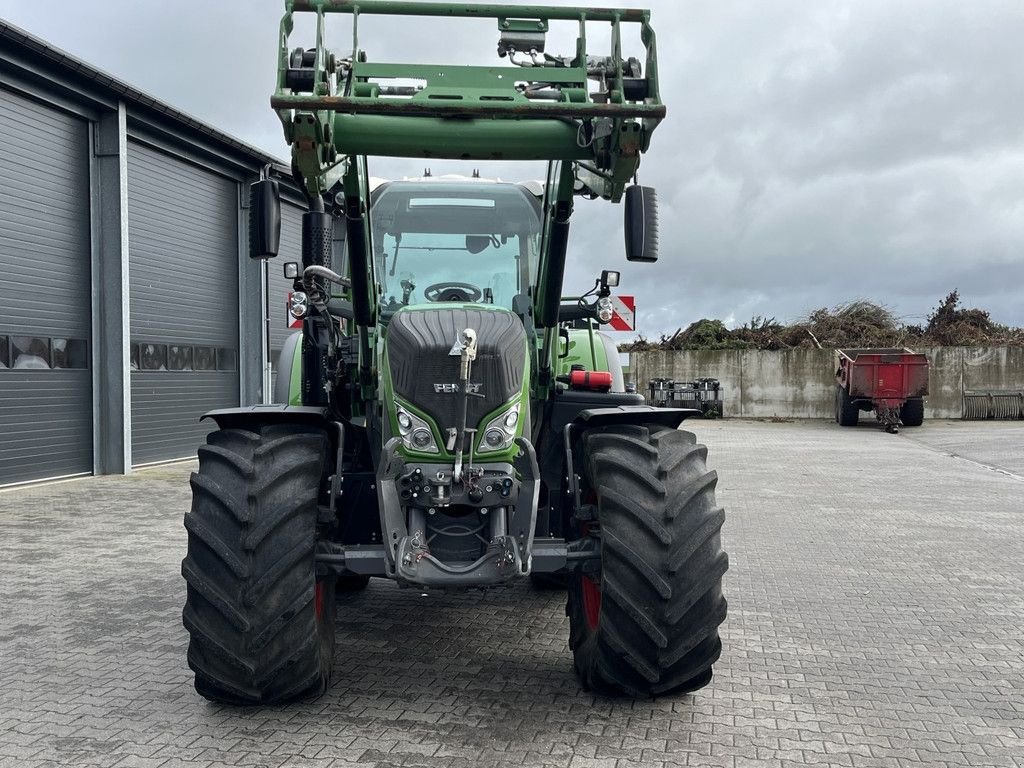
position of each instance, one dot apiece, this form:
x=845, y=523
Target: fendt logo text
x=454, y=389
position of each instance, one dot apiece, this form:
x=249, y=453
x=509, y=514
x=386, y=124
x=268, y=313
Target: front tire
x=648, y=623
x=261, y=626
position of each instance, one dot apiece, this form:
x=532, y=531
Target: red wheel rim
x=591, y=601
x=591, y=586
x=318, y=600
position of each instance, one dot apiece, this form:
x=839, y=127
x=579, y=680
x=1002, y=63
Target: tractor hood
x=423, y=351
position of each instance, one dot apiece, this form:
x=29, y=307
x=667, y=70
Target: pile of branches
x=854, y=324
x=857, y=324
x=952, y=326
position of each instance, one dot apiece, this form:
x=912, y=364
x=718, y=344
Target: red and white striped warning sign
x=290, y=322
x=623, y=313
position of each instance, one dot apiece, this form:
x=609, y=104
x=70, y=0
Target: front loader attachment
x=596, y=110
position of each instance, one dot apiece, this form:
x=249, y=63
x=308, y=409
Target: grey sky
x=815, y=152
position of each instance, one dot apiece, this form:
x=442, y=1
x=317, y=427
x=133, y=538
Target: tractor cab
x=454, y=240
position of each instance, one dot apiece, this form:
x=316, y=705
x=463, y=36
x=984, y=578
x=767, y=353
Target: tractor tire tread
x=662, y=565
x=255, y=637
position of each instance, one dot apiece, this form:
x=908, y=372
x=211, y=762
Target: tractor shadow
x=475, y=675
x=455, y=639
x=487, y=666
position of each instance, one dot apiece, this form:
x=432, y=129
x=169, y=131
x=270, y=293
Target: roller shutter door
x=45, y=290
x=278, y=287
x=183, y=270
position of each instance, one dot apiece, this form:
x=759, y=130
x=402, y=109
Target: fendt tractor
x=447, y=420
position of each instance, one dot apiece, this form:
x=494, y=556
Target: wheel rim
x=591, y=586
x=591, y=601
x=318, y=601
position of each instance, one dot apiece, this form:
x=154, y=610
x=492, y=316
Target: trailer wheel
x=847, y=412
x=261, y=626
x=912, y=412
x=647, y=624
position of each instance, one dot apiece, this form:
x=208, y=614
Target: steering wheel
x=451, y=291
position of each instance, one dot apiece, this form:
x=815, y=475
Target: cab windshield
x=459, y=242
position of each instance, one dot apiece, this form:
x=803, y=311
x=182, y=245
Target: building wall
x=107, y=265
x=45, y=302
x=184, y=263
x=799, y=383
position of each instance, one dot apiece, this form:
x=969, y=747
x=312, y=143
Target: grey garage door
x=183, y=271
x=278, y=287
x=45, y=288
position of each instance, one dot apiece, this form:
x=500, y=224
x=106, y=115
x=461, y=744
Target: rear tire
x=261, y=626
x=912, y=412
x=847, y=412
x=648, y=623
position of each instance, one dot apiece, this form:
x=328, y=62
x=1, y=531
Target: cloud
x=814, y=152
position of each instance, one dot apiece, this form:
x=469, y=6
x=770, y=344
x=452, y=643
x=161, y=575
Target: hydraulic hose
x=466, y=364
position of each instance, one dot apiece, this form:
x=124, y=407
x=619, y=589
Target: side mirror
x=641, y=224
x=264, y=219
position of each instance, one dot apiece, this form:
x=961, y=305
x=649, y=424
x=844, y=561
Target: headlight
x=422, y=440
x=298, y=305
x=604, y=310
x=494, y=438
x=415, y=432
x=500, y=431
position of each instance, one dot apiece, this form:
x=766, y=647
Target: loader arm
x=590, y=116
x=333, y=107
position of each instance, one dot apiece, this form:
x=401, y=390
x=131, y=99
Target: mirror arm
x=576, y=311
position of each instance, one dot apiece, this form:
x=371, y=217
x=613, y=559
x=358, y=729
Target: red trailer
x=890, y=382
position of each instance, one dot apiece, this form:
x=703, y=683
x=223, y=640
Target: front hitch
x=411, y=492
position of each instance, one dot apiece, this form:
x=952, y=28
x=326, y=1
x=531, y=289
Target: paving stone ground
x=876, y=619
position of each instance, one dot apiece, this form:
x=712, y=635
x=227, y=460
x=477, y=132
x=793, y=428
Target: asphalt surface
x=876, y=611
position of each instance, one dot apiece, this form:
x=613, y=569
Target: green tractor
x=445, y=418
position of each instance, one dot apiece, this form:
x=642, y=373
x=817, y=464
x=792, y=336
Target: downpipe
x=317, y=233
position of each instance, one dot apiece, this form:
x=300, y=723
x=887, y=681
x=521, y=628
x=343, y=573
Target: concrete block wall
x=799, y=383
x=945, y=382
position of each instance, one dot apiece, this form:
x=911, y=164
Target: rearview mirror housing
x=641, y=224
x=264, y=219
x=477, y=243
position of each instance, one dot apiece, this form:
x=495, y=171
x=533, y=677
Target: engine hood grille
x=419, y=343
